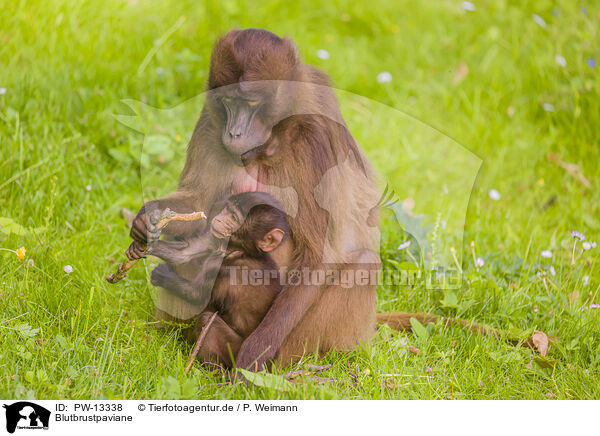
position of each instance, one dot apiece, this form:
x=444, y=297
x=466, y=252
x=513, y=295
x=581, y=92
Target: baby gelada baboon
x=242, y=237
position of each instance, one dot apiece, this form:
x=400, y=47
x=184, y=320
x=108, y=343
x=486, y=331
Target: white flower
x=384, y=77
x=548, y=107
x=560, y=60
x=539, y=20
x=586, y=245
x=552, y=270
x=322, y=54
x=88, y=188
x=68, y=269
x=468, y=6
x=404, y=245
x=494, y=194
x=585, y=280
x=546, y=253
x=2, y=91
x=479, y=262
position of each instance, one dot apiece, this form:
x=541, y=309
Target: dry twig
x=310, y=369
x=571, y=168
x=352, y=372
x=322, y=380
x=199, y=342
x=166, y=216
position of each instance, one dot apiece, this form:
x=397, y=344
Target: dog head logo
x=26, y=415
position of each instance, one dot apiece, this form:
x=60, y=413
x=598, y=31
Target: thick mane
x=250, y=55
x=311, y=146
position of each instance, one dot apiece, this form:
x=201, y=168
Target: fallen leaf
x=540, y=340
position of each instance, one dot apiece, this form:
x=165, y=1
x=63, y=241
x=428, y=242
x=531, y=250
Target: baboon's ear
x=271, y=240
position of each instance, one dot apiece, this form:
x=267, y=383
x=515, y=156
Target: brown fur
x=313, y=154
x=241, y=307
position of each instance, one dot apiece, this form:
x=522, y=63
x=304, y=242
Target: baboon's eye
x=227, y=99
x=253, y=102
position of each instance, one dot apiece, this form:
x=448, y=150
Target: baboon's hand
x=143, y=228
x=135, y=251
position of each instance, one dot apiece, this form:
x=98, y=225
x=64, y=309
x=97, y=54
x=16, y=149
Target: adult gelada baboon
x=271, y=123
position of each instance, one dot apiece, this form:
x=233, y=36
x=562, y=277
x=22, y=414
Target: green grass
x=67, y=68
